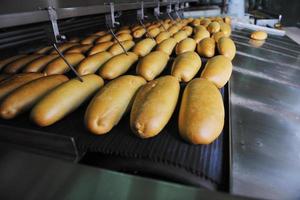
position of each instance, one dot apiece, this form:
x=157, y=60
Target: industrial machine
x=256, y=155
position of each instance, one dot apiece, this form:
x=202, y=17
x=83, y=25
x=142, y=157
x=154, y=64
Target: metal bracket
x=110, y=18
x=157, y=13
x=140, y=12
x=178, y=7
x=169, y=7
x=169, y=10
x=279, y=18
x=111, y=22
x=182, y=6
x=53, y=19
x=157, y=9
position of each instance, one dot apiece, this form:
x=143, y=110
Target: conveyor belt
x=201, y=165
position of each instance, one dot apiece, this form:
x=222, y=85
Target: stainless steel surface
x=269, y=47
x=18, y=12
x=293, y=32
x=18, y=36
x=28, y=176
x=266, y=22
x=99, y=9
x=58, y=146
x=16, y=19
x=277, y=40
x=205, y=12
x=64, y=13
x=264, y=95
x=19, y=6
x=36, y=35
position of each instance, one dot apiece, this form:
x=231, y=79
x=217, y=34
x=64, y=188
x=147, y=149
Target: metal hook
x=160, y=23
x=171, y=17
x=111, y=31
x=177, y=8
x=169, y=10
x=178, y=15
x=157, y=9
x=69, y=65
x=143, y=25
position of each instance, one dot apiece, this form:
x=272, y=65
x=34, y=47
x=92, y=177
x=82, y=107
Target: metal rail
x=40, y=15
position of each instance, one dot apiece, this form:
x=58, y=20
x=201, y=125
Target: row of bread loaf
x=23, y=91
x=151, y=104
x=154, y=102
x=52, y=64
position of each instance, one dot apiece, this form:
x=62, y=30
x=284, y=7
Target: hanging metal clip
x=140, y=12
x=110, y=18
x=178, y=8
x=157, y=9
x=157, y=13
x=157, y=18
x=169, y=10
x=69, y=65
x=114, y=35
x=56, y=37
x=143, y=25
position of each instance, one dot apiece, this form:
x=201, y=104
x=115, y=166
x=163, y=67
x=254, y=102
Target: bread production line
x=146, y=99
